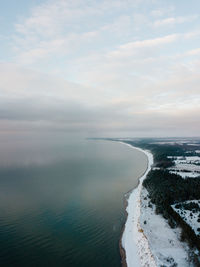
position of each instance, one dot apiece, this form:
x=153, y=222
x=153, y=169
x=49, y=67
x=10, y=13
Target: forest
x=166, y=189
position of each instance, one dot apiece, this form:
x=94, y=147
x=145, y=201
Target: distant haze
x=100, y=68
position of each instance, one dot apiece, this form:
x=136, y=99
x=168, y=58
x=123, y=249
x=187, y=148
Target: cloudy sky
x=100, y=67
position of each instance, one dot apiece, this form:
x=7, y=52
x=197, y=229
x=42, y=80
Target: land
x=134, y=242
x=170, y=201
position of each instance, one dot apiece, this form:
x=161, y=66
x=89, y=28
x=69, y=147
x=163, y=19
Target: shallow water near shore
x=61, y=203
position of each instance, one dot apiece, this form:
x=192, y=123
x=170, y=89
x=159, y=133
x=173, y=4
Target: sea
x=62, y=201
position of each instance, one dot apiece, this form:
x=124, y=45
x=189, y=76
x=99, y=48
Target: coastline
x=134, y=246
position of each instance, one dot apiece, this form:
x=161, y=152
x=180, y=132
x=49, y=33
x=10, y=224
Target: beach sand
x=134, y=247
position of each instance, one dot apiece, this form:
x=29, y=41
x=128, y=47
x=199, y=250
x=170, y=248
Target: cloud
x=62, y=28
x=100, y=67
x=193, y=52
x=38, y=107
x=162, y=11
x=147, y=43
x=171, y=21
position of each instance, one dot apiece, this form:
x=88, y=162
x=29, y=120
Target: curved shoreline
x=134, y=246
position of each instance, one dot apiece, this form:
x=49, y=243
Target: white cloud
x=163, y=11
x=150, y=42
x=142, y=48
x=171, y=21
x=193, y=52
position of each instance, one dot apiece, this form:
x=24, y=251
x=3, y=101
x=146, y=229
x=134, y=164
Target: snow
x=182, y=159
x=186, y=174
x=186, y=167
x=185, y=215
x=177, y=142
x=148, y=239
x=163, y=240
x=189, y=164
x=193, y=159
x=134, y=241
x=193, y=144
x=164, y=143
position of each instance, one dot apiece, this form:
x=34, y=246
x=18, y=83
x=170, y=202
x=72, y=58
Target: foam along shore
x=134, y=242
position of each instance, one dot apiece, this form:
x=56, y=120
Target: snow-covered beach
x=134, y=241
x=147, y=239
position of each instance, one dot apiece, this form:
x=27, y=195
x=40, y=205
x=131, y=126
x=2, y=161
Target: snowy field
x=185, y=160
x=177, y=142
x=191, y=217
x=186, y=166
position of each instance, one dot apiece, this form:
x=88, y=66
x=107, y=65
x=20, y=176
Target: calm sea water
x=61, y=203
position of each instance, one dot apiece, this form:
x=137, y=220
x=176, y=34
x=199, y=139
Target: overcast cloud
x=101, y=68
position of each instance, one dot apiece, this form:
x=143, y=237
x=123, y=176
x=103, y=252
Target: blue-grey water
x=61, y=203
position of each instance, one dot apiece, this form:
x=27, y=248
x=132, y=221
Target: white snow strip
x=193, y=158
x=193, y=144
x=155, y=168
x=186, y=174
x=164, y=143
x=186, y=167
x=182, y=159
x=135, y=243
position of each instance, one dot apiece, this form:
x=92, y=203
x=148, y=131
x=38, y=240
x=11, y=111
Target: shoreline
x=133, y=243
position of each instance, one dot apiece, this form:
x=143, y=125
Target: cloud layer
x=103, y=68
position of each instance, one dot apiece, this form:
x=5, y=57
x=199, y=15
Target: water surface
x=61, y=203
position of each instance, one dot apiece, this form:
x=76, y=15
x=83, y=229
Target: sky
x=100, y=68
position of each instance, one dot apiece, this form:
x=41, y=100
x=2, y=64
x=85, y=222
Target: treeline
x=167, y=188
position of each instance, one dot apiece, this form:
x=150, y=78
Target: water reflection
x=61, y=203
